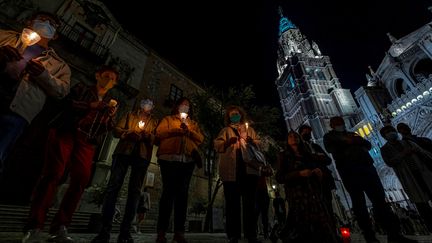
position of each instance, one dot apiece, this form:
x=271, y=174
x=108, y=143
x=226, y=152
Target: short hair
x=385, y=129
x=304, y=127
x=52, y=16
x=336, y=119
x=107, y=68
x=176, y=105
x=402, y=126
x=231, y=108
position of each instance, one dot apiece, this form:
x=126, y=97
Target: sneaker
x=61, y=236
x=32, y=236
x=161, y=237
x=125, y=238
x=399, y=239
x=179, y=238
x=101, y=238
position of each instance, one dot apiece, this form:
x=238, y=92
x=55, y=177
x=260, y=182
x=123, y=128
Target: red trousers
x=65, y=150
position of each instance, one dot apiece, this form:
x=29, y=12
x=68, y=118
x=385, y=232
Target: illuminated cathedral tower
x=309, y=90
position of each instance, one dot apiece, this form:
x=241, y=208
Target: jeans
x=119, y=169
x=11, y=127
x=241, y=194
x=176, y=177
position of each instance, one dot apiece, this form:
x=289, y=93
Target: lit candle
x=112, y=103
x=183, y=115
x=141, y=124
x=28, y=38
x=247, y=126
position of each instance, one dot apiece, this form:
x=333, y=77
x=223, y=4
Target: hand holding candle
x=141, y=124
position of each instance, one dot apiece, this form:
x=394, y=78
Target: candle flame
x=183, y=115
x=141, y=124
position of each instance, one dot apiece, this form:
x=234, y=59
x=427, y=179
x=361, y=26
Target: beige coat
x=33, y=91
x=227, y=156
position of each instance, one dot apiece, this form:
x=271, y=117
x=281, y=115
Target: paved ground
x=14, y=237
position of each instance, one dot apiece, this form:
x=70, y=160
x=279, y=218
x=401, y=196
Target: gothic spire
x=391, y=38
x=284, y=23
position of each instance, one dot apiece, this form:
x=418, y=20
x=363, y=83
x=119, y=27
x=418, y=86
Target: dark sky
x=234, y=41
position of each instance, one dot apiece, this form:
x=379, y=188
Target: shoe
x=32, y=236
x=125, y=238
x=179, y=238
x=161, y=237
x=101, y=238
x=61, y=236
x=399, y=239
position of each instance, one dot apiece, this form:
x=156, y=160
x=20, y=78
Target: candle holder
x=28, y=38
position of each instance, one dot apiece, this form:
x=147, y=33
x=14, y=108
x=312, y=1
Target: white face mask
x=146, y=105
x=44, y=28
x=183, y=109
x=340, y=128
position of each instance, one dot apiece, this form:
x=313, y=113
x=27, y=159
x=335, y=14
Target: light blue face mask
x=44, y=28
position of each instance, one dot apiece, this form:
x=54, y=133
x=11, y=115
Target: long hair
x=231, y=108
x=301, y=146
x=176, y=105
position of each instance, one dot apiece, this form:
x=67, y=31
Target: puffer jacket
x=32, y=92
x=129, y=123
x=171, y=143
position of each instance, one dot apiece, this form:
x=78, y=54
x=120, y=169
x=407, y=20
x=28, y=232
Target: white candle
x=141, y=124
x=112, y=103
x=28, y=38
x=247, y=126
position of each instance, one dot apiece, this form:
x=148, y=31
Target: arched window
x=422, y=70
x=401, y=87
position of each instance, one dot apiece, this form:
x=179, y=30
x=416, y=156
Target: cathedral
x=399, y=90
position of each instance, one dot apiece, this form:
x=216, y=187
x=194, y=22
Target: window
x=82, y=35
x=175, y=93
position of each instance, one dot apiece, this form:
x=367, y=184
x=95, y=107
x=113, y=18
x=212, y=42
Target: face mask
x=340, y=128
x=44, y=29
x=391, y=136
x=235, y=118
x=183, y=109
x=146, y=105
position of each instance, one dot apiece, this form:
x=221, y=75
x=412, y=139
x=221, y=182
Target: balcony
x=83, y=39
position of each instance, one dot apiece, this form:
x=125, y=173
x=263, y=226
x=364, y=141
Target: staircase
x=13, y=219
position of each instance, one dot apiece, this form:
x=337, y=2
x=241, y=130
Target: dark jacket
x=77, y=116
x=129, y=123
x=348, y=148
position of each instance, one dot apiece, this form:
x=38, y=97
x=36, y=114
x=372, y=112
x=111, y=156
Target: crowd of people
x=89, y=113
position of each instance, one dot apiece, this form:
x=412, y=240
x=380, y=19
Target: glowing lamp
x=345, y=232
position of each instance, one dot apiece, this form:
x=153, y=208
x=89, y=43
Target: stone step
x=13, y=218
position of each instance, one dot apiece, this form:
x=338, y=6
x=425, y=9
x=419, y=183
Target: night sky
x=225, y=42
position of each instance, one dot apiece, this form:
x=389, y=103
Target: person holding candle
x=136, y=133
x=74, y=134
x=30, y=71
x=179, y=135
x=239, y=180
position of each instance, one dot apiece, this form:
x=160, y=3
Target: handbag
x=254, y=157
